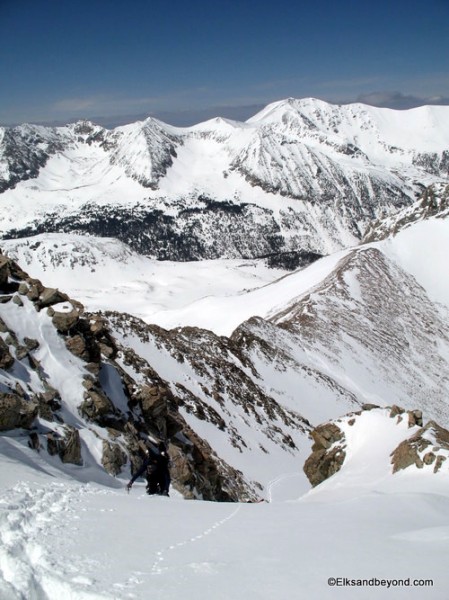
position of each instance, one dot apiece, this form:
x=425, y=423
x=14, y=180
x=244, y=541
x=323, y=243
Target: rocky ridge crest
x=121, y=400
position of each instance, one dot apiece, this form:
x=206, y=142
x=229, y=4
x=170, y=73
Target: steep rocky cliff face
x=65, y=380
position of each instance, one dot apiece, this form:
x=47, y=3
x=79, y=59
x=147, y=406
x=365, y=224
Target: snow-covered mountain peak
x=217, y=126
x=301, y=175
x=276, y=111
x=360, y=123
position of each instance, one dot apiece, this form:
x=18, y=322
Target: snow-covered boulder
x=375, y=443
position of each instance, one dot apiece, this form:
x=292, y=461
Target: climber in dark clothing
x=156, y=469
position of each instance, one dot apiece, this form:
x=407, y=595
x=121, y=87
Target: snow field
x=61, y=539
x=65, y=538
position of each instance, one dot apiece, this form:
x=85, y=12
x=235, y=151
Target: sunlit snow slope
x=363, y=533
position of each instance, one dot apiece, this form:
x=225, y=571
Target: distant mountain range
x=300, y=179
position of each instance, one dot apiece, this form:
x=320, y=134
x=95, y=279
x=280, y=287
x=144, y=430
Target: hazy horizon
x=116, y=62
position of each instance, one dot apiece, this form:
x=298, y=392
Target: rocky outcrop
x=4, y=271
x=121, y=393
x=50, y=296
x=428, y=446
x=328, y=453
x=113, y=457
x=96, y=406
x=68, y=446
x=65, y=321
x=6, y=359
x=71, y=451
x=16, y=412
x=154, y=406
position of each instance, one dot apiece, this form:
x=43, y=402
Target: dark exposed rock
x=54, y=443
x=35, y=289
x=77, y=346
x=369, y=406
x=23, y=288
x=16, y=412
x=113, y=458
x=20, y=391
x=50, y=296
x=4, y=270
x=45, y=411
x=326, y=435
x=30, y=343
x=21, y=352
x=328, y=453
x=415, y=418
x=429, y=458
x=6, y=359
x=64, y=321
x=95, y=405
x=3, y=327
x=49, y=403
x=197, y=472
x=71, y=450
x=93, y=367
x=409, y=452
x=34, y=363
x=438, y=463
x=154, y=404
x=106, y=350
x=89, y=383
x=97, y=325
x=34, y=442
x=395, y=411
x=52, y=398
x=406, y=454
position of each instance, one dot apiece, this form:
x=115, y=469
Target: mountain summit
x=300, y=176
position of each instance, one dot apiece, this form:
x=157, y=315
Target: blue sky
x=185, y=61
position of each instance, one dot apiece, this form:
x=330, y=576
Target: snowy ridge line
x=158, y=569
x=28, y=521
x=301, y=177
